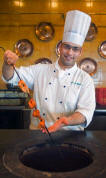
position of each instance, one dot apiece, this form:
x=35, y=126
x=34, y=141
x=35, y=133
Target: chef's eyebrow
x=70, y=46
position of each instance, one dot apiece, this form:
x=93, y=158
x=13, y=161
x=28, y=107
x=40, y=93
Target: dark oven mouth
x=56, y=158
x=47, y=160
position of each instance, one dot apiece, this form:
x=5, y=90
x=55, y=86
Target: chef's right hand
x=10, y=57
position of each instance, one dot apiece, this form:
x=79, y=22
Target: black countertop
x=100, y=108
x=95, y=141
x=23, y=107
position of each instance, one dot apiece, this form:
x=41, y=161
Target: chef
x=64, y=93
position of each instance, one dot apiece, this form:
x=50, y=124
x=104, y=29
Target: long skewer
x=29, y=95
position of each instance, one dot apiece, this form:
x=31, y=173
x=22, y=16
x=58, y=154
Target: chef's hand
x=10, y=57
x=57, y=125
x=76, y=118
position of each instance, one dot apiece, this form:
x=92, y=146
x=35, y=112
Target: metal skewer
x=51, y=139
x=16, y=72
x=50, y=136
x=28, y=94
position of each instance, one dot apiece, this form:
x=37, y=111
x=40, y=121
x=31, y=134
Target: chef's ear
x=60, y=46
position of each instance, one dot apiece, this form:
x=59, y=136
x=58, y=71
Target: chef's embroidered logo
x=76, y=83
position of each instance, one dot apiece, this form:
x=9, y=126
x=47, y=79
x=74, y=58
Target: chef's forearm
x=10, y=59
x=7, y=71
x=75, y=119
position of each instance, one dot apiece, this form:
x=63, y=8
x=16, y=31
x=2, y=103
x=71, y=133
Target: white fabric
x=59, y=92
x=76, y=27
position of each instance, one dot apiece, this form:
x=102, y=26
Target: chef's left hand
x=57, y=125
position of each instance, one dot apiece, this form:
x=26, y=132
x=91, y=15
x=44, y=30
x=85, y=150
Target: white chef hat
x=76, y=27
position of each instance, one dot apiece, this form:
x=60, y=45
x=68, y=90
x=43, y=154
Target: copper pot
x=89, y=65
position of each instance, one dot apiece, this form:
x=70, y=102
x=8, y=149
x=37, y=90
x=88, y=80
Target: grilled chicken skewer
x=32, y=104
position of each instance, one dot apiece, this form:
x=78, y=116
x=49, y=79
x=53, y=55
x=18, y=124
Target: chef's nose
x=70, y=51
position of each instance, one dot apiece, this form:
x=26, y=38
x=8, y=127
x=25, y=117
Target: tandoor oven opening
x=56, y=158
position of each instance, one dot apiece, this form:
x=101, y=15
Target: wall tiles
x=18, y=22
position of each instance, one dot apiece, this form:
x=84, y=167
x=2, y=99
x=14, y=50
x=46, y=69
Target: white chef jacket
x=59, y=92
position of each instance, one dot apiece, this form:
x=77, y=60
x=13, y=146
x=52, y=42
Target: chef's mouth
x=69, y=58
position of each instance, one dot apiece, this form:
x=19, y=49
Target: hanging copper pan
x=92, y=32
x=57, y=47
x=24, y=48
x=89, y=65
x=44, y=31
x=43, y=60
x=102, y=49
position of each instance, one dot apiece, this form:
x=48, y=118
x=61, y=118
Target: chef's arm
x=10, y=59
x=75, y=119
x=7, y=71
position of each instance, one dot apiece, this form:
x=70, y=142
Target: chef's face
x=69, y=52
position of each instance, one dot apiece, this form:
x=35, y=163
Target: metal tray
x=12, y=98
x=44, y=31
x=24, y=48
x=102, y=49
x=43, y=61
x=92, y=32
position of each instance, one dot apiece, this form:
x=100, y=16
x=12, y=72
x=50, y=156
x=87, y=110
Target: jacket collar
x=68, y=70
